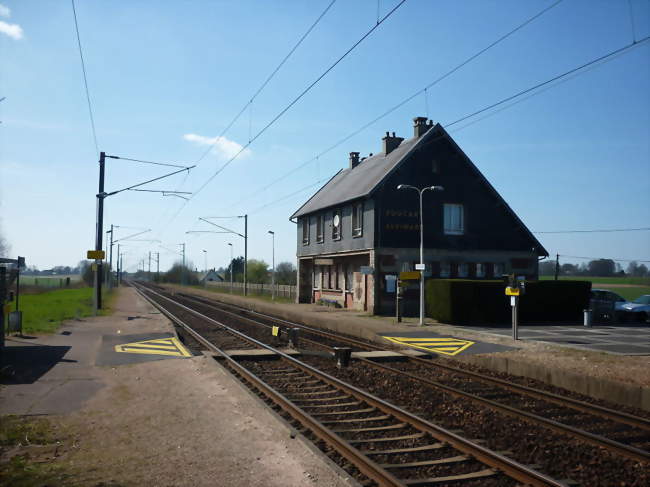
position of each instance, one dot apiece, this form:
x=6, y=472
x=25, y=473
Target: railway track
x=388, y=445
x=617, y=431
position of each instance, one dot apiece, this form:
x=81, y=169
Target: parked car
x=637, y=310
x=606, y=305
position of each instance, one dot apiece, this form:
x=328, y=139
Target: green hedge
x=474, y=302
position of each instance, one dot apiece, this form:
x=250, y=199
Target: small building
x=210, y=276
x=358, y=232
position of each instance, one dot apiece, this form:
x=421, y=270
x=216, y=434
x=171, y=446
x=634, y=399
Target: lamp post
x=273, y=264
x=420, y=267
x=230, y=267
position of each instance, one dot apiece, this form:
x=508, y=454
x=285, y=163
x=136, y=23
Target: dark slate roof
x=350, y=184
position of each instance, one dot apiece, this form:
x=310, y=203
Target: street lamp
x=420, y=267
x=230, y=267
x=273, y=263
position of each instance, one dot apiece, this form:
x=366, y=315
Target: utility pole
x=245, y=255
x=109, y=274
x=157, y=266
x=183, y=269
x=149, y=265
x=230, y=267
x=557, y=265
x=273, y=264
x=121, y=266
x=97, y=301
x=118, y=266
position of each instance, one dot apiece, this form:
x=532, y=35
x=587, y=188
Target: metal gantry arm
x=228, y=230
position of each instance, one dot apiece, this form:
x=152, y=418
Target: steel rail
x=511, y=468
x=583, y=406
x=592, y=438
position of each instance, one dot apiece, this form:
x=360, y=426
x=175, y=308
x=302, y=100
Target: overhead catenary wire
x=146, y=162
x=83, y=69
x=266, y=82
x=603, y=258
x=400, y=104
x=607, y=230
x=279, y=115
x=573, y=71
x=297, y=98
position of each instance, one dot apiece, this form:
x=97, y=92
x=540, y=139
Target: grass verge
x=27, y=448
x=262, y=297
x=44, y=312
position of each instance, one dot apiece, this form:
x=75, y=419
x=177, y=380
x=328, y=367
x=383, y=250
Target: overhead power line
x=266, y=82
x=574, y=71
x=410, y=97
x=600, y=231
x=83, y=69
x=147, y=162
x=297, y=98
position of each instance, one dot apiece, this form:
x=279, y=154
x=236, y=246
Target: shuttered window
x=454, y=221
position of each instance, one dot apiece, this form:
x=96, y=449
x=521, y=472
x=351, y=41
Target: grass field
x=628, y=287
x=44, y=312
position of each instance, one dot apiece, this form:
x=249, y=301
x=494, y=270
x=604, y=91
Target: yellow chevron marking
x=159, y=346
x=446, y=346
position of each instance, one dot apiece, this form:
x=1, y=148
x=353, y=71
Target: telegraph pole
x=157, y=265
x=110, y=261
x=183, y=269
x=557, y=265
x=149, y=265
x=97, y=301
x=245, y=255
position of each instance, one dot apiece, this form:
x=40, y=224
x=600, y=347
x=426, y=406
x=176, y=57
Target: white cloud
x=223, y=147
x=12, y=30
x=4, y=11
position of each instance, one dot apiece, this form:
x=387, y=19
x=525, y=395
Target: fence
x=281, y=290
x=49, y=281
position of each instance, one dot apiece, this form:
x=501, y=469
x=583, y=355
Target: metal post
x=121, y=266
x=231, y=266
x=117, y=277
x=149, y=276
x=183, y=268
x=245, y=255
x=97, y=302
x=273, y=264
x=557, y=265
x=110, y=261
x=421, y=261
x=514, y=302
x=157, y=266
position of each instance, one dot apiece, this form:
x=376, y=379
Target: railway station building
x=358, y=232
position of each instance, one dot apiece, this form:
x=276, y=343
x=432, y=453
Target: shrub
x=471, y=302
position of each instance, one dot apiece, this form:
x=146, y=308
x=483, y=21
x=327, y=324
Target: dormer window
x=320, y=228
x=357, y=219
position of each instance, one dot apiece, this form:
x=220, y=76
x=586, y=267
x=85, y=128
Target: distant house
x=358, y=232
x=210, y=276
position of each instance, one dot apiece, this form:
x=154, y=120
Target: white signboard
x=420, y=267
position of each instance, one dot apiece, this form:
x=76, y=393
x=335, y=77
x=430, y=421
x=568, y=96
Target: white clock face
x=337, y=220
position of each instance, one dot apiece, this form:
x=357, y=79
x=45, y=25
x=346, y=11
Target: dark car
x=637, y=310
x=606, y=305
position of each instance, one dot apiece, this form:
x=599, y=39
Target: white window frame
x=463, y=269
x=453, y=219
x=498, y=269
x=480, y=270
x=320, y=228
x=357, y=220
x=445, y=270
x=337, y=231
x=305, y=231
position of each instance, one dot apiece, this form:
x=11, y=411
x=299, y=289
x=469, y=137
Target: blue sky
x=165, y=77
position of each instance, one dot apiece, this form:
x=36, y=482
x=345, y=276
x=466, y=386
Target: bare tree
x=4, y=245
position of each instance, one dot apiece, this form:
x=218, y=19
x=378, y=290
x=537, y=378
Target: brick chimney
x=354, y=159
x=420, y=126
x=390, y=143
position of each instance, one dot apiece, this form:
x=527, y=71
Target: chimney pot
x=354, y=159
x=390, y=143
x=420, y=126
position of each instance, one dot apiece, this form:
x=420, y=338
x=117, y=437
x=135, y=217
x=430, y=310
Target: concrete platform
x=381, y=355
x=141, y=347
x=618, y=340
x=431, y=343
